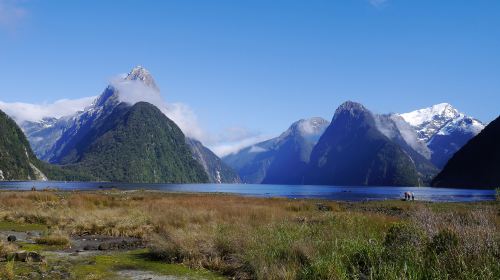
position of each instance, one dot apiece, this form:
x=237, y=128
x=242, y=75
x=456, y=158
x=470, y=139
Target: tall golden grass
x=271, y=238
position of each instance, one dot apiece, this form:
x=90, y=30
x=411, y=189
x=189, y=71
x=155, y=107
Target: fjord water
x=288, y=191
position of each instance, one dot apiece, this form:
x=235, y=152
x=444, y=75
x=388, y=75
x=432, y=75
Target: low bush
x=6, y=248
x=7, y=271
x=403, y=242
x=53, y=240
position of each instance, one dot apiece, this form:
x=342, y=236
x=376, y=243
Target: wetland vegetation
x=114, y=234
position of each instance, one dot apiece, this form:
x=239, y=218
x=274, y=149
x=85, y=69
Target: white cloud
x=186, y=119
x=21, y=112
x=11, y=13
x=133, y=91
x=231, y=140
x=227, y=148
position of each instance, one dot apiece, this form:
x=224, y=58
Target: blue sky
x=254, y=67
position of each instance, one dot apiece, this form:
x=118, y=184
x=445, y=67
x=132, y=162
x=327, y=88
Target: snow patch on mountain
x=426, y=115
x=141, y=74
x=464, y=124
x=257, y=149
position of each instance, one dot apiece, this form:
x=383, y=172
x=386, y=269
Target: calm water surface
x=289, y=191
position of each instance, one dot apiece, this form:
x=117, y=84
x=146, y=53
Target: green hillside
x=136, y=144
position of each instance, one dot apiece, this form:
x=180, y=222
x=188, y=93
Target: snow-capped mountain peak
x=140, y=73
x=137, y=86
x=444, y=129
x=444, y=111
x=430, y=121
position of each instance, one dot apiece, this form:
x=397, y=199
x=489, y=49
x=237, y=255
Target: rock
x=34, y=257
x=104, y=246
x=11, y=238
x=33, y=234
x=323, y=207
x=56, y=275
x=89, y=247
x=20, y=256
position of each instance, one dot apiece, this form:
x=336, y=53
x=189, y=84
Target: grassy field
x=209, y=235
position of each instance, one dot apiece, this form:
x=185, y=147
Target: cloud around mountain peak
x=22, y=112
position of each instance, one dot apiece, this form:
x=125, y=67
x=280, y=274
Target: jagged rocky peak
x=140, y=73
x=120, y=91
x=353, y=109
x=351, y=106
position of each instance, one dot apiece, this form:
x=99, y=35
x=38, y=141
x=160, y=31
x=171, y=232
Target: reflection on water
x=290, y=191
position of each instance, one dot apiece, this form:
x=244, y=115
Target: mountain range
x=427, y=137
x=115, y=139
x=121, y=136
x=353, y=151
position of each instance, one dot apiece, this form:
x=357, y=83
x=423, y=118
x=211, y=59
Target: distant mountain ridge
x=428, y=137
x=287, y=159
x=279, y=160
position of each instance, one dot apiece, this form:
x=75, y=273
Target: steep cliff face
x=17, y=160
x=217, y=171
x=477, y=164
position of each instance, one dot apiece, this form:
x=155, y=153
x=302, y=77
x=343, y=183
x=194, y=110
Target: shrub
x=403, y=241
x=363, y=260
x=55, y=240
x=8, y=271
x=6, y=249
x=165, y=249
x=443, y=242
